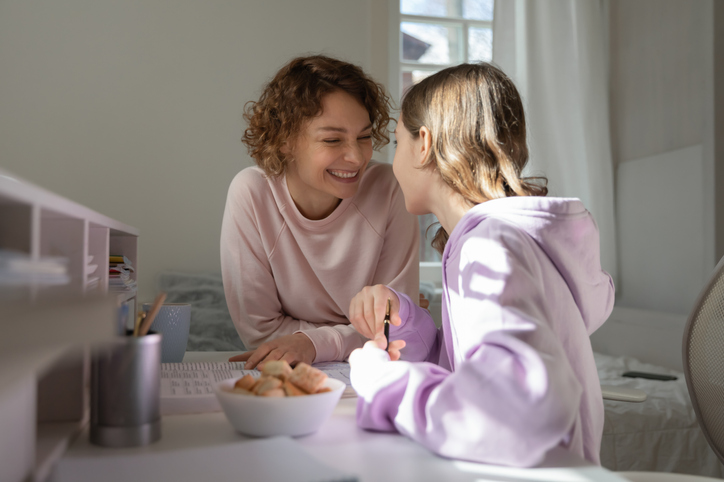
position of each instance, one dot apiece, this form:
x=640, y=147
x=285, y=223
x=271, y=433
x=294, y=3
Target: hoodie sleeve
x=423, y=339
x=512, y=396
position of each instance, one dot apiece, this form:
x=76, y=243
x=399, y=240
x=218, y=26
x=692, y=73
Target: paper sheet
x=188, y=387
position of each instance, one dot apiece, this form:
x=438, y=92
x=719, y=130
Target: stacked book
x=18, y=269
x=119, y=274
x=92, y=278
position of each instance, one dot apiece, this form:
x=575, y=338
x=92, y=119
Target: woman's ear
x=425, y=149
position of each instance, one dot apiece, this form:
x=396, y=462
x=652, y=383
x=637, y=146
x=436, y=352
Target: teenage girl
x=510, y=374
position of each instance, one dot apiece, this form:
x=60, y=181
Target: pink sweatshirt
x=284, y=273
x=511, y=373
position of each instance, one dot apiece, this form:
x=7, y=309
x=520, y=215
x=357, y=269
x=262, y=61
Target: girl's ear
x=425, y=145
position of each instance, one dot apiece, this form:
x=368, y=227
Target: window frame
x=464, y=23
x=397, y=66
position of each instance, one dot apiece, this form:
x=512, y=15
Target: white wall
x=661, y=58
x=661, y=231
x=657, y=76
x=134, y=108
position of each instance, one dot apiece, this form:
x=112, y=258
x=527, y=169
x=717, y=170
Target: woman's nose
x=355, y=154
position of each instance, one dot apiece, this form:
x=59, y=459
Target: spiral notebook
x=188, y=387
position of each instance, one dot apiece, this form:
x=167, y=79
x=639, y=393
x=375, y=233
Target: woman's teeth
x=343, y=174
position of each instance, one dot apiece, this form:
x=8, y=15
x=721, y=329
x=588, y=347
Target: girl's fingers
x=395, y=319
x=371, y=344
x=394, y=349
x=398, y=344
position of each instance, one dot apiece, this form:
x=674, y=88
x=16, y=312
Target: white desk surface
x=339, y=443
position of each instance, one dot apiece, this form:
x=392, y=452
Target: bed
x=659, y=434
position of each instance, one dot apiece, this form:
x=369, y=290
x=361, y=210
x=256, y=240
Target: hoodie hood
x=567, y=233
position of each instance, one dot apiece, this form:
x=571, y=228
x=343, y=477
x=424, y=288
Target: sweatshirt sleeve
x=246, y=272
x=512, y=395
x=333, y=342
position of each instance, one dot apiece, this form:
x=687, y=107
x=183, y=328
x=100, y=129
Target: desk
x=339, y=443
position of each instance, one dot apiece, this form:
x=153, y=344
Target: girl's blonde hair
x=477, y=124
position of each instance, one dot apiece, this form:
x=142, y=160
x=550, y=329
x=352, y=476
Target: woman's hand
x=292, y=348
x=367, y=314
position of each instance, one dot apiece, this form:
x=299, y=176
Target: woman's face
x=329, y=156
x=406, y=166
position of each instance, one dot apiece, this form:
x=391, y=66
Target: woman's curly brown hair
x=295, y=95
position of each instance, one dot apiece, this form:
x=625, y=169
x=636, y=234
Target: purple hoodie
x=510, y=374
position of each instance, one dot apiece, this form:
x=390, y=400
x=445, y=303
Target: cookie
x=265, y=384
x=245, y=383
x=277, y=368
x=307, y=377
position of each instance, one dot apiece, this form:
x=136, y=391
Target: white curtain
x=556, y=51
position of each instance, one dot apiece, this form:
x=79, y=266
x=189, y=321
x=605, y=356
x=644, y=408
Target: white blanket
x=660, y=434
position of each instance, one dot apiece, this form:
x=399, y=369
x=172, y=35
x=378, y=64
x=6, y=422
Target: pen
x=148, y=319
x=387, y=325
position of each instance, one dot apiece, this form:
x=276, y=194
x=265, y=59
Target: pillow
x=211, y=326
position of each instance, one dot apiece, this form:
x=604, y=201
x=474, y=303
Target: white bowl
x=270, y=416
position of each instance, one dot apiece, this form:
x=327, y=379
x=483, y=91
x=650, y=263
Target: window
x=435, y=34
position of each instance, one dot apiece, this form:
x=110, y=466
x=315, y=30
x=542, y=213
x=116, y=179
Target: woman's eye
x=365, y=138
x=331, y=141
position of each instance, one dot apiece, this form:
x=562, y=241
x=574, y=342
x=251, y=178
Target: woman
x=315, y=220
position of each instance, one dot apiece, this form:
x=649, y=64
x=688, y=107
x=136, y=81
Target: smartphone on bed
x=650, y=376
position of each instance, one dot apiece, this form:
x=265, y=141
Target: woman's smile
x=330, y=156
x=344, y=176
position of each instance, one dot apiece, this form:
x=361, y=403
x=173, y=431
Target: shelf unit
x=48, y=330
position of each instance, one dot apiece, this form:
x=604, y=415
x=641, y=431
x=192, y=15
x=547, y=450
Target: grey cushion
x=211, y=325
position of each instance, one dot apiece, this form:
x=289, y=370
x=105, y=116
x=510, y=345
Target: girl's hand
x=368, y=364
x=367, y=312
x=292, y=348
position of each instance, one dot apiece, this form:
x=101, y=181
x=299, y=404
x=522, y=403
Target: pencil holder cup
x=125, y=392
x=173, y=321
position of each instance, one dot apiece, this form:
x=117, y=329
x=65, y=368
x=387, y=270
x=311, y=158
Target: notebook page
x=188, y=387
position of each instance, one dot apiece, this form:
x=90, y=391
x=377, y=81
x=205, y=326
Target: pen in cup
x=387, y=325
x=144, y=324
